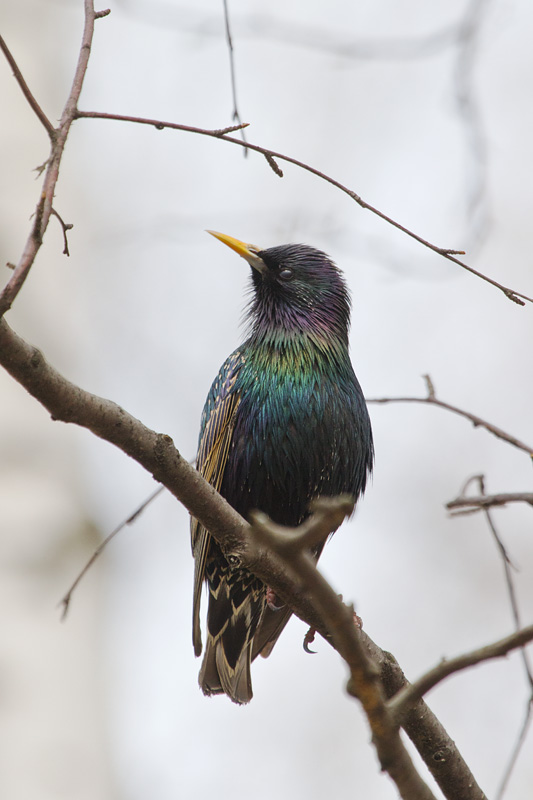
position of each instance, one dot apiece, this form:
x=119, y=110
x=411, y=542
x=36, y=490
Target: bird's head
x=296, y=289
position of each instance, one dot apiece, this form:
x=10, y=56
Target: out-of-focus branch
x=58, y=139
x=406, y=696
x=156, y=453
x=67, y=597
x=236, y=115
x=431, y=400
x=507, y=565
x=272, y=155
x=469, y=504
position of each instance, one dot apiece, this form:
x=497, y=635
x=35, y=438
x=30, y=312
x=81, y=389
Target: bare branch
x=364, y=683
x=431, y=399
x=486, y=501
x=236, y=115
x=67, y=597
x=156, y=453
x=44, y=206
x=400, y=703
x=516, y=750
x=65, y=226
x=507, y=565
x=445, y=252
x=26, y=90
x=273, y=165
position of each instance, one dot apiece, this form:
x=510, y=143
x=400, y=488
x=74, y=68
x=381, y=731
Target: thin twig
x=67, y=597
x=467, y=44
x=516, y=750
x=236, y=115
x=507, y=565
x=431, y=400
x=445, y=252
x=401, y=702
x=274, y=165
x=26, y=90
x=65, y=226
x=44, y=206
x=486, y=501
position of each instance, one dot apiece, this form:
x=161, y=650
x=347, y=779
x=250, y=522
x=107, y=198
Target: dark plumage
x=285, y=421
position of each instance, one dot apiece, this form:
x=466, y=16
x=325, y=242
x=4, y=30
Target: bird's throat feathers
x=275, y=323
x=300, y=345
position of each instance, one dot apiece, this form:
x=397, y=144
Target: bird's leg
x=310, y=635
x=273, y=601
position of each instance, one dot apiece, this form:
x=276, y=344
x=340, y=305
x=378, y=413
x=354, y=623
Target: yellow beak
x=247, y=251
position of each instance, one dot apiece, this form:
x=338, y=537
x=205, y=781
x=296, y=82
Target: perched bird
x=285, y=422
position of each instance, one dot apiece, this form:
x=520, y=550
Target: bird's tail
x=236, y=605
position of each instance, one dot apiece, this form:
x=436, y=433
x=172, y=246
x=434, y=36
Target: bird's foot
x=308, y=638
x=273, y=601
x=310, y=635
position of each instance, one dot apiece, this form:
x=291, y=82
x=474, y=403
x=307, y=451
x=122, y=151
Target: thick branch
x=440, y=753
x=156, y=453
x=271, y=155
x=291, y=546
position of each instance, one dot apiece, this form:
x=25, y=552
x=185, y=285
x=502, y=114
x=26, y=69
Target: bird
x=285, y=422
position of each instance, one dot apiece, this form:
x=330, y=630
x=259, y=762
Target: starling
x=285, y=422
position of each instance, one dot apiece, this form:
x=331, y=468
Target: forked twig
x=432, y=400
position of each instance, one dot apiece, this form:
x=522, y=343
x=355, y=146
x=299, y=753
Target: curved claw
x=308, y=638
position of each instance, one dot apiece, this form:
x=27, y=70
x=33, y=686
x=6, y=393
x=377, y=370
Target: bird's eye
x=286, y=274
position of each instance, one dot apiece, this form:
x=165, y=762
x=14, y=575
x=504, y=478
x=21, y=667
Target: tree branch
x=67, y=597
x=49, y=128
x=431, y=400
x=44, y=206
x=484, y=501
x=291, y=545
x=236, y=116
x=156, y=453
x=406, y=696
x=271, y=155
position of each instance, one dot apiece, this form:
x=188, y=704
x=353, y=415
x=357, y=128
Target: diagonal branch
x=401, y=702
x=44, y=206
x=431, y=400
x=291, y=547
x=26, y=90
x=271, y=155
x=67, y=597
x=156, y=453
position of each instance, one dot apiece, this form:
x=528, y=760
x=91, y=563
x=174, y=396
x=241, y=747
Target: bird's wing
x=218, y=421
x=273, y=622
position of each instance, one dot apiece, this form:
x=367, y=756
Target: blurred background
x=426, y=111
